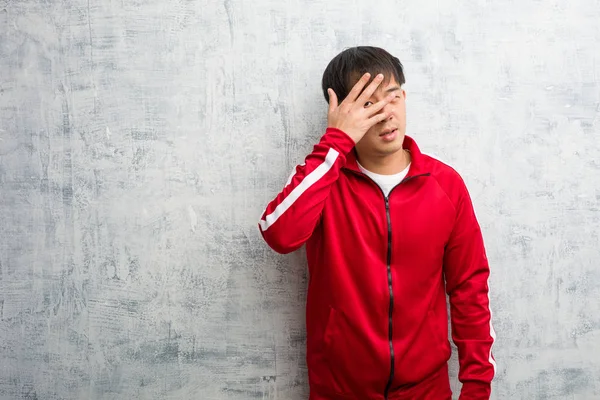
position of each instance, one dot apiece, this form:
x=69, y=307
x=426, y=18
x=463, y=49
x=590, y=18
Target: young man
x=388, y=232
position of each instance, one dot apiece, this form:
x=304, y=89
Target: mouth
x=389, y=134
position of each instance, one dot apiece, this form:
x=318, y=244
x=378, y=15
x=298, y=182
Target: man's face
x=386, y=137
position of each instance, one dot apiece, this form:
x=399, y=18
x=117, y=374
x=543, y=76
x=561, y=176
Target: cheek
x=372, y=131
x=400, y=114
x=400, y=107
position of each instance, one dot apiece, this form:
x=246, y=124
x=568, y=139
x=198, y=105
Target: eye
x=368, y=104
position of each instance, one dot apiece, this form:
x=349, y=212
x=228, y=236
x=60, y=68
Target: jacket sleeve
x=290, y=219
x=466, y=271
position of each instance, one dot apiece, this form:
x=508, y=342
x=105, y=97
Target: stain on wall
x=140, y=142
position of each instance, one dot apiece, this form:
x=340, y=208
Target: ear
x=404, y=93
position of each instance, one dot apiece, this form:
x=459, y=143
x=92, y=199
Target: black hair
x=350, y=65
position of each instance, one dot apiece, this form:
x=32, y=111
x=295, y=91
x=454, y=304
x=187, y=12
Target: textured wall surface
x=141, y=140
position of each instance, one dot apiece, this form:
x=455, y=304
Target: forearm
x=467, y=272
x=291, y=217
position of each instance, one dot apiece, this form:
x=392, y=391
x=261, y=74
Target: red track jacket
x=379, y=271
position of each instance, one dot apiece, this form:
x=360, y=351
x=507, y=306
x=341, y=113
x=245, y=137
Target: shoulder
x=446, y=176
x=441, y=170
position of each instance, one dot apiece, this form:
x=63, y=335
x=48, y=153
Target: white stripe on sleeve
x=492, y=332
x=306, y=183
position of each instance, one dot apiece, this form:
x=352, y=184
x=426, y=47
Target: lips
x=387, y=132
x=389, y=135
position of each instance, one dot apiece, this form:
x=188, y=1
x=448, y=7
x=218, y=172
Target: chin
x=391, y=148
x=396, y=143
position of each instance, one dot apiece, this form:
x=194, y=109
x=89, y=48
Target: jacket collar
x=417, y=163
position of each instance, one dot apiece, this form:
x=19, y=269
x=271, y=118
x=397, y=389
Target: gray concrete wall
x=140, y=142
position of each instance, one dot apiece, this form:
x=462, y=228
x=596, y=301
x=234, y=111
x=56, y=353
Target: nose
x=387, y=109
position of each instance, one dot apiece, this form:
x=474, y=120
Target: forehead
x=389, y=84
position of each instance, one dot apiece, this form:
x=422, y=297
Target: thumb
x=333, y=101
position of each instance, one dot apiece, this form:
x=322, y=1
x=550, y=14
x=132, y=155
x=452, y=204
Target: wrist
x=352, y=135
x=475, y=390
x=339, y=139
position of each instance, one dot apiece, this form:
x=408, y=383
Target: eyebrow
x=390, y=90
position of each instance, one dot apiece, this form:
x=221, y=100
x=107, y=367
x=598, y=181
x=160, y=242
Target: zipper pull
x=387, y=203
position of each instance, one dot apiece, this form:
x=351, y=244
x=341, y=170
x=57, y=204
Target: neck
x=386, y=165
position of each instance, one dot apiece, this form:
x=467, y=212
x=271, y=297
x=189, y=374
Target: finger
x=368, y=92
x=357, y=88
x=377, y=119
x=333, y=101
x=375, y=108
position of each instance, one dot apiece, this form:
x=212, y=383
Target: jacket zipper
x=390, y=287
x=389, y=272
x=391, y=306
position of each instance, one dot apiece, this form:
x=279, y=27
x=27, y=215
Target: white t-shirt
x=386, y=182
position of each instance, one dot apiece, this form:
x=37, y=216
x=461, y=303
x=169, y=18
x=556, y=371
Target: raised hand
x=352, y=116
